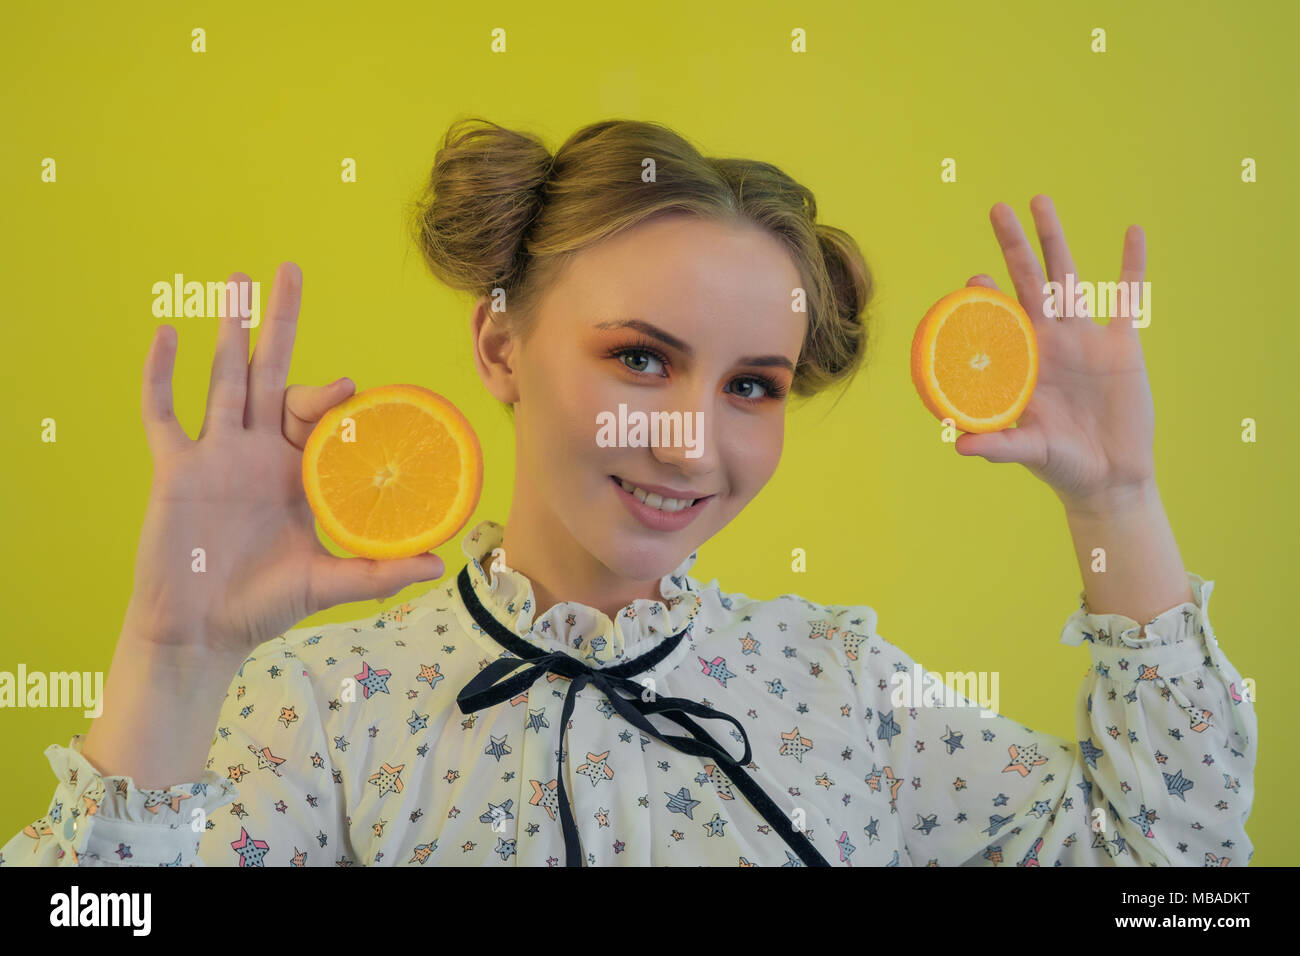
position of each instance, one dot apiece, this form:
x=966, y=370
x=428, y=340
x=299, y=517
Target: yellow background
x=171, y=161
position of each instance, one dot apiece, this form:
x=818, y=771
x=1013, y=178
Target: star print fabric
x=117, y=811
x=1160, y=771
x=344, y=745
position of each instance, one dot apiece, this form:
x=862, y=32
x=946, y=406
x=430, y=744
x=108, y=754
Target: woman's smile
x=658, y=511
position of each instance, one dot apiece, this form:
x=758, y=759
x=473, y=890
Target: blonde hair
x=501, y=212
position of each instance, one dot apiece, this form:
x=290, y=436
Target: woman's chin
x=636, y=558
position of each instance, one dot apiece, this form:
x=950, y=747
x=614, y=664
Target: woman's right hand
x=236, y=492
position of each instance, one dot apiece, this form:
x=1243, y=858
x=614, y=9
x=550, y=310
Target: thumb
x=1007, y=445
x=305, y=404
x=343, y=580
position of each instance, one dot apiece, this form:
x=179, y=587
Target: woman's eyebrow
x=674, y=342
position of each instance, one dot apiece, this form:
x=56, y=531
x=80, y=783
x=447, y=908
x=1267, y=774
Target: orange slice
x=392, y=472
x=975, y=359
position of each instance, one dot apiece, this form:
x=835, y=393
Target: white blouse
x=708, y=728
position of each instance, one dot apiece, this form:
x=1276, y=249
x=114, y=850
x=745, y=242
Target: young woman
x=574, y=696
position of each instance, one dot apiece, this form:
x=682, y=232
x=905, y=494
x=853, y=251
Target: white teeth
x=658, y=502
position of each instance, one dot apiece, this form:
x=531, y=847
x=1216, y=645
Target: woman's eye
x=634, y=355
x=639, y=360
x=753, y=383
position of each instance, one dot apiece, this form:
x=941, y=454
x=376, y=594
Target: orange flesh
x=403, y=477
x=980, y=359
x=408, y=481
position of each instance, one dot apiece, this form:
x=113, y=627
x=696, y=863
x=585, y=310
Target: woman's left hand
x=1088, y=430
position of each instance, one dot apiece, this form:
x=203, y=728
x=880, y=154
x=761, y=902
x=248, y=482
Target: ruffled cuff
x=131, y=825
x=1179, y=624
x=1178, y=641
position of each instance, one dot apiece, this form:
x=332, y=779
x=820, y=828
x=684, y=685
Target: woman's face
x=714, y=304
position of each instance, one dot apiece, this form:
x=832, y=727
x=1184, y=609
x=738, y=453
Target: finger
x=1007, y=445
x=269, y=368
x=343, y=580
x=1022, y=262
x=1132, y=272
x=1056, y=252
x=161, y=429
x=305, y=404
x=228, y=384
x=982, y=279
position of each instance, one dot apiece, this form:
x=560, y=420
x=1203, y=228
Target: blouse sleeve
x=268, y=796
x=1160, y=771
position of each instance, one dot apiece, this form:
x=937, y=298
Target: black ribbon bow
x=484, y=691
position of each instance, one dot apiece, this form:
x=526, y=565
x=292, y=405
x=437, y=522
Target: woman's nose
x=689, y=444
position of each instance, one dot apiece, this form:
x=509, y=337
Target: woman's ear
x=494, y=352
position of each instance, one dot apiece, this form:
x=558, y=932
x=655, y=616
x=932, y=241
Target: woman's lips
x=653, y=518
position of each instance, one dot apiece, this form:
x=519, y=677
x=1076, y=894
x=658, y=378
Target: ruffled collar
x=576, y=629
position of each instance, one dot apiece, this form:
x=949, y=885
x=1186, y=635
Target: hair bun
x=484, y=191
x=501, y=211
